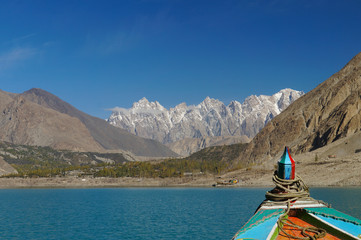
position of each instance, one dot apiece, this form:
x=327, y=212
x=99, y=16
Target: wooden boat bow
x=290, y=213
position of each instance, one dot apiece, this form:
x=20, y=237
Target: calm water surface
x=160, y=213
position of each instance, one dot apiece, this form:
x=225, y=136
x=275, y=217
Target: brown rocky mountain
x=5, y=98
x=37, y=117
x=109, y=137
x=23, y=122
x=329, y=112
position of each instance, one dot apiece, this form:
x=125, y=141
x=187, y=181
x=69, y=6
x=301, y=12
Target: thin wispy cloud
x=24, y=37
x=118, y=109
x=114, y=43
x=123, y=38
x=15, y=56
x=19, y=40
x=135, y=111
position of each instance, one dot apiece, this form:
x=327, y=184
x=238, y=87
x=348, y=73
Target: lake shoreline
x=127, y=182
x=324, y=173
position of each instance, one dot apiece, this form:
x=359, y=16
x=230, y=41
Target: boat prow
x=311, y=214
x=290, y=213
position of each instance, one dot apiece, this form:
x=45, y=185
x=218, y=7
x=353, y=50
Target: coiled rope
x=289, y=191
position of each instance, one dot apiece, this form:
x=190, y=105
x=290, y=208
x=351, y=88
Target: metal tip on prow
x=286, y=166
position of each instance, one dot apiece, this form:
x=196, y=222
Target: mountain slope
x=24, y=122
x=210, y=118
x=109, y=137
x=6, y=168
x=187, y=146
x=5, y=98
x=327, y=113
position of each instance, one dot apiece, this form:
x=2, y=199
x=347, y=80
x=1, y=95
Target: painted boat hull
x=305, y=213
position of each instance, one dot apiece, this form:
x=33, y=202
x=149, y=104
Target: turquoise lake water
x=141, y=213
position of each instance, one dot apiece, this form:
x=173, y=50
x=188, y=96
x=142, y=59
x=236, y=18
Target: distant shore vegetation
x=34, y=162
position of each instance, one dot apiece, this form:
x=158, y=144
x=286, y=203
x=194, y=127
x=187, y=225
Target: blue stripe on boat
x=260, y=225
x=333, y=213
x=338, y=219
x=348, y=227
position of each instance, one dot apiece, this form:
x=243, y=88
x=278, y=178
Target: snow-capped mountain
x=209, y=118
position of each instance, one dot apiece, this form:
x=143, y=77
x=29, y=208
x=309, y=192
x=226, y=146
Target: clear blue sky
x=100, y=54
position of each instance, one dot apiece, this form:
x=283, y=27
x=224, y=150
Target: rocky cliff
x=329, y=112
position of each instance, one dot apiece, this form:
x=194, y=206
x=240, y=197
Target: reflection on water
x=347, y=200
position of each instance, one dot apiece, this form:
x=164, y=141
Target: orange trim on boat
x=297, y=232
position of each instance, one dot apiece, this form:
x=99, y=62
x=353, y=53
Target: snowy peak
x=286, y=97
x=209, y=118
x=143, y=106
x=180, y=106
x=210, y=103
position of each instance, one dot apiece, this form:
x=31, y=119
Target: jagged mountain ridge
x=210, y=118
x=324, y=115
x=37, y=117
